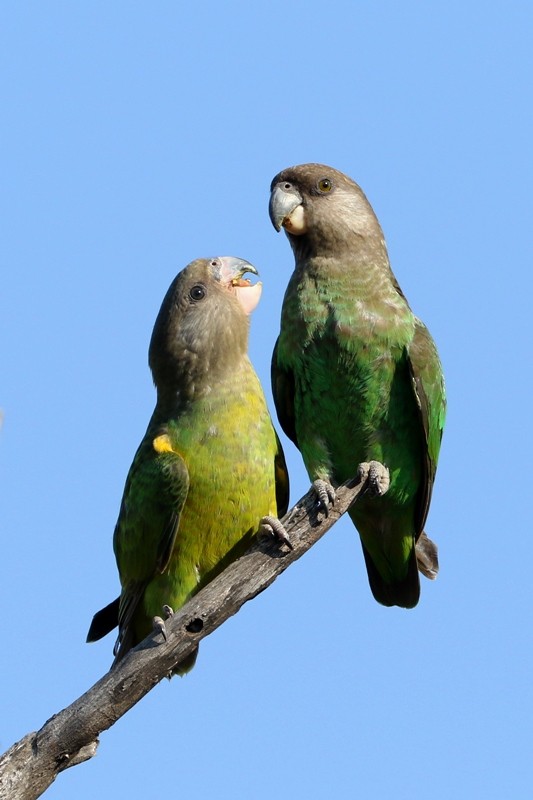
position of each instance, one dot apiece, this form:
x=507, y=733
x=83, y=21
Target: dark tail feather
x=404, y=593
x=104, y=621
x=427, y=556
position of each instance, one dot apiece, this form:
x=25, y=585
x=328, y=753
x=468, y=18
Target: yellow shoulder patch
x=162, y=444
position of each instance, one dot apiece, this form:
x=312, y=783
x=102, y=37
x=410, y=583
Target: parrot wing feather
x=282, y=480
x=145, y=534
x=428, y=385
x=283, y=391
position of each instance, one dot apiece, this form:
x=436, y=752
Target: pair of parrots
x=355, y=376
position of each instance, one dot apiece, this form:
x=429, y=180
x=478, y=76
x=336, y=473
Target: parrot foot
x=377, y=476
x=158, y=623
x=271, y=526
x=325, y=494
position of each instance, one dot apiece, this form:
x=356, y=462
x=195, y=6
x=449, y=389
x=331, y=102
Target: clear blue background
x=137, y=137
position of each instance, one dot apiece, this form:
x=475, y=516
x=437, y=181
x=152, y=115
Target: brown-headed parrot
x=356, y=376
x=210, y=466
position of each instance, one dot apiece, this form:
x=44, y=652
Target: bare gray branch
x=70, y=737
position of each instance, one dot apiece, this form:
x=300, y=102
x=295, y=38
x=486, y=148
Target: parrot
x=210, y=467
x=356, y=376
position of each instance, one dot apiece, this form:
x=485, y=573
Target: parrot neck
x=365, y=275
x=187, y=366
x=193, y=379
x=359, y=296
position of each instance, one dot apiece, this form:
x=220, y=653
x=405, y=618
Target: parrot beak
x=286, y=209
x=229, y=271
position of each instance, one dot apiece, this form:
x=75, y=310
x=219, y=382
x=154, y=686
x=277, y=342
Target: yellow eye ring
x=325, y=185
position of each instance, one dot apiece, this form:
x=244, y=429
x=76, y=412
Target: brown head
x=202, y=327
x=323, y=211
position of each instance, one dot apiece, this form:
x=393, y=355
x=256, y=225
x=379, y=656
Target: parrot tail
x=104, y=621
x=404, y=593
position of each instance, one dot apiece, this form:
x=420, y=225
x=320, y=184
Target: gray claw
x=377, y=476
x=271, y=526
x=158, y=625
x=325, y=494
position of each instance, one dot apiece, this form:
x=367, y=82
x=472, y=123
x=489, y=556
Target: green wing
x=154, y=495
x=428, y=385
x=283, y=392
x=282, y=480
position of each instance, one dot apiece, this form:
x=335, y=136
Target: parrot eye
x=197, y=292
x=325, y=185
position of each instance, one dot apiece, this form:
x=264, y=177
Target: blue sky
x=136, y=138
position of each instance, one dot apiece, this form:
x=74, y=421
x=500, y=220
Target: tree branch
x=70, y=737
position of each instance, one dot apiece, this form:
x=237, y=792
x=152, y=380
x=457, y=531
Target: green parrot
x=210, y=467
x=356, y=376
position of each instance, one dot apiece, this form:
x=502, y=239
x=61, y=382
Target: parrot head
x=202, y=326
x=320, y=208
